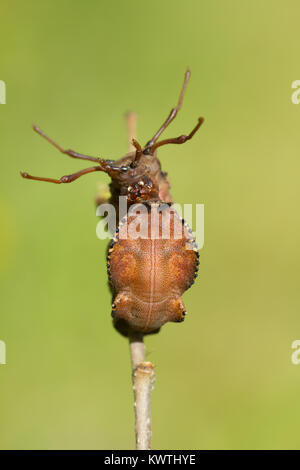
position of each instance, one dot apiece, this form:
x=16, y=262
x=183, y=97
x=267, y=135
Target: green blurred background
x=225, y=377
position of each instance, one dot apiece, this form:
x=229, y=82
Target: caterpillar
x=147, y=276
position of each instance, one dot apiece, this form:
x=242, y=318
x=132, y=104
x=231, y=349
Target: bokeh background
x=225, y=378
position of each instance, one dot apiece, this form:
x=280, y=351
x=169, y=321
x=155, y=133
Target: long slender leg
x=69, y=152
x=178, y=140
x=173, y=112
x=138, y=153
x=63, y=179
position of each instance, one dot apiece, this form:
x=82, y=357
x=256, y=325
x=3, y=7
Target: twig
x=131, y=119
x=143, y=378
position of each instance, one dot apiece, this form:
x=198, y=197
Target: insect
x=148, y=275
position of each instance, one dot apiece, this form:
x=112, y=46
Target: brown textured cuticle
x=148, y=277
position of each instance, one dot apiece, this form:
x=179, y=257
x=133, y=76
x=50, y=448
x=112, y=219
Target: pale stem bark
x=131, y=120
x=143, y=378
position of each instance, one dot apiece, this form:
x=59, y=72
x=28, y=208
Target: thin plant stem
x=143, y=378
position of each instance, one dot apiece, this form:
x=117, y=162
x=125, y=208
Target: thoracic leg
x=69, y=152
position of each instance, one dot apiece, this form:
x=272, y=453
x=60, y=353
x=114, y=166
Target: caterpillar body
x=147, y=275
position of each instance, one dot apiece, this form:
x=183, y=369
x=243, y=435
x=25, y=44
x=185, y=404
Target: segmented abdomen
x=148, y=276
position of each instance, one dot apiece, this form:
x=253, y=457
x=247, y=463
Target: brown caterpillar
x=147, y=276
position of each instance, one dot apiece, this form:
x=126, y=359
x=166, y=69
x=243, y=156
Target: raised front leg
x=69, y=152
x=173, y=112
x=178, y=140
